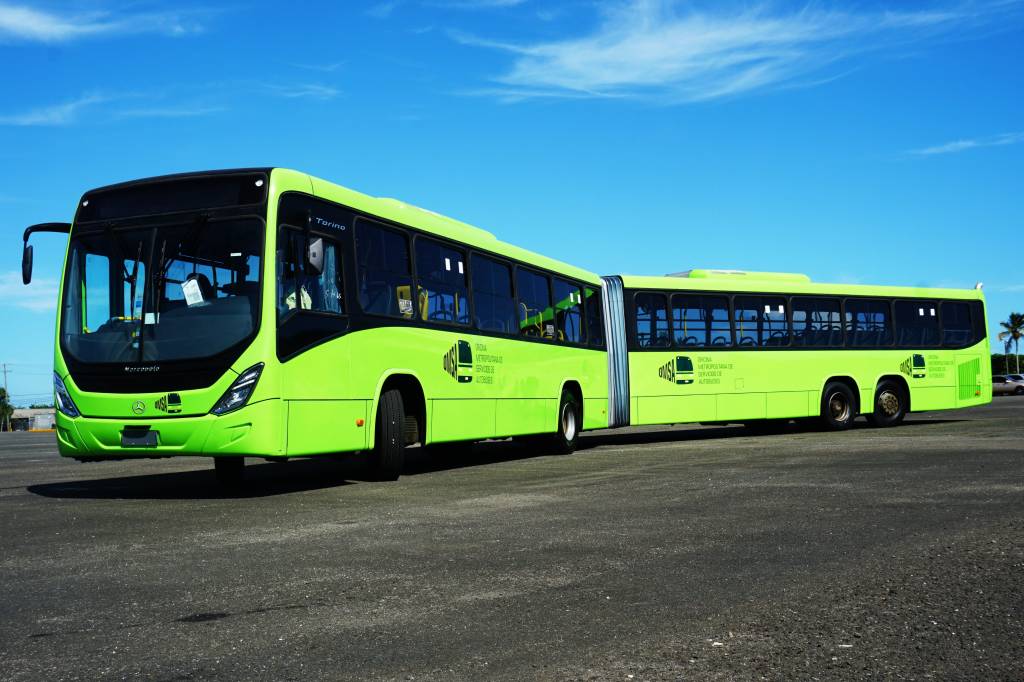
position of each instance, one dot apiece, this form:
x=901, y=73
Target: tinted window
x=535, y=315
x=652, y=321
x=595, y=317
x=384, y=275
x=956, y=324
x=568, y=311
x=760, y=321
x=321, y=292
x=492, y=295
x=917, y=323
x=700, y=321
x=442, y=294
x=817, y=322
x=868, y=323
x=978, y=321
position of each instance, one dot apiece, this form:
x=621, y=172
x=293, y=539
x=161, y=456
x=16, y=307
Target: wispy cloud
x=657, y=49
x=972, y=143
x=302, y=90
x=474, y=4
x=54, y=115
x=383, y=10
x=40, y=296
x=169, y=112
x=322, y=68
x=24, y=23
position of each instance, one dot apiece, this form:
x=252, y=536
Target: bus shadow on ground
x=301, y=475
x=261, y=480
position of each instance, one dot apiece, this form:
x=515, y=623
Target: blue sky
x=855, y=142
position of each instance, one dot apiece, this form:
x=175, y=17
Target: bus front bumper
x=257, y=429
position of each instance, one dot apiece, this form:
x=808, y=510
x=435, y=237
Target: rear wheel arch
x=899, y=380
x=573, y=387
x=850, y=382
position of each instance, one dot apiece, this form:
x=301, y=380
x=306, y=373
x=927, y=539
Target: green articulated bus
x=267, y=313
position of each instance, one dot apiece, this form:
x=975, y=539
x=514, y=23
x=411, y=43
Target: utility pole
x=7, y=420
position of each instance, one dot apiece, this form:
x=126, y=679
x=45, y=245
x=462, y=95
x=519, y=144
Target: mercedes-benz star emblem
x=138, y=407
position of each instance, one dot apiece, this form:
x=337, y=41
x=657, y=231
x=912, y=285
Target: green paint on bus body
x=734, y=384
x=324, y=399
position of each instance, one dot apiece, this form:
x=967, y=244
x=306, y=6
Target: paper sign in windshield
x=193, y=296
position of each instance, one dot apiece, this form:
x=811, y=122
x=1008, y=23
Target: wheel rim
x=568, y=422
x=839, y=407
x=889, y=403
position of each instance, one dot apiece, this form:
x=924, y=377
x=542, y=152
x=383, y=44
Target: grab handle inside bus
x=26, y=253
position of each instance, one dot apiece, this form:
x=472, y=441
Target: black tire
x=890, y=404
x=230, y=471
x=570, y=421
x=388, y=454
x=1019, y=390
x=838, y=406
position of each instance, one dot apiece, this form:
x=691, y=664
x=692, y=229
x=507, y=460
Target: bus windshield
x=159, y=293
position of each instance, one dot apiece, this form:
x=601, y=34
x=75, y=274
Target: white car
x=1005, y=385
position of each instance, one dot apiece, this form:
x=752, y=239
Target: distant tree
x=40, y=406
x=1013, y=330
x=6, y=410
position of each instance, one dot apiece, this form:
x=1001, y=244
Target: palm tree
x=1014, y=330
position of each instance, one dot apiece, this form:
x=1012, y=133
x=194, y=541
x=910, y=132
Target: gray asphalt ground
x=685, y=553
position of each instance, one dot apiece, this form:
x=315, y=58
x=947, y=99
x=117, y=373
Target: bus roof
x=429, y=221
x=784, y=283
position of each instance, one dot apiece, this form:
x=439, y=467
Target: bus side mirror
x=26, y=264
x=315, y=256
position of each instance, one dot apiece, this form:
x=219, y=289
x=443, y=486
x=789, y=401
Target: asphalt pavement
x=674, y=553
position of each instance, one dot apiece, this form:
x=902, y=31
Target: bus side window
x=917, y=324
x=817, y=322
x=868, y=323
x=495, y=309
x=652, y=329
x=956, y=324
x=535, y=314
x=441, y=278
x=384, y=270
x=595, y=317
x=689, y=321
x=568, y=311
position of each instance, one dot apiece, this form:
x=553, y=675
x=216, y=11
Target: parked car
x=1004, y=385
x=1016, y=377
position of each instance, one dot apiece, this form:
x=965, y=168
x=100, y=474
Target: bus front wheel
x=570, y=421
x=890, y=404
x=388, y=453
x=837, y=406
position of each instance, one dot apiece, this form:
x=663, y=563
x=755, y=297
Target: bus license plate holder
x=138, y=437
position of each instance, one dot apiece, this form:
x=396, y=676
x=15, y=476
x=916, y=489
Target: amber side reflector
x=360, y=422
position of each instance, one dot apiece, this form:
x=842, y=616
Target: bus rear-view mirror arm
x=26, y=253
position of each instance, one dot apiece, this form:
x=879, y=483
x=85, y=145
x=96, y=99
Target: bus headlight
x=63, y=400
x=238, y=393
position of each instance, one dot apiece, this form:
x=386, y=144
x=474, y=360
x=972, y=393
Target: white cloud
x=169, y=112
x=24, y=23
x=53, y=115
x=973, y=143
x=303, y=90
x=654, y=49
x=39, y=296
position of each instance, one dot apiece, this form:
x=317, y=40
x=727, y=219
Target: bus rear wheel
x=230, y=471
x=388, y=454
x=837, y=406
x=890, y=404
x=570, y=420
